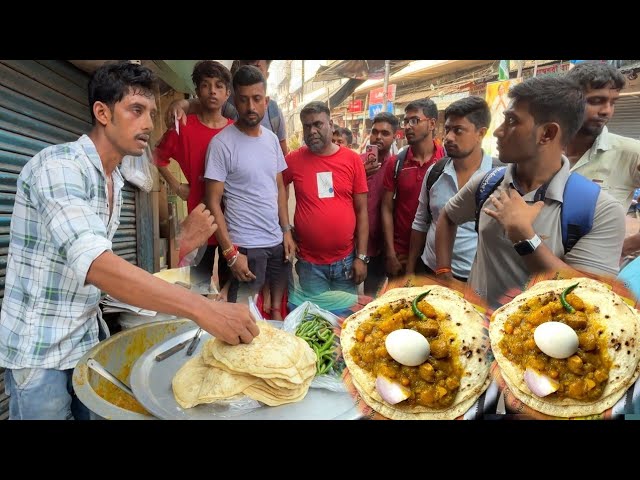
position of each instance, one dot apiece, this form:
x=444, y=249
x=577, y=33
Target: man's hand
x=359, y=271
x=183, y=191
x=290, y=247
x=196, y=229
x=514, y=214
x=230, y=322
x=371, y=167
x=393, y=265
x=177, y=110
x=240, y=269
x=631, y=245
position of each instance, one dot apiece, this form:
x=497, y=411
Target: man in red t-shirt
x=189, y=147
x=331, y=207
x=383, y=132
x=398, y=213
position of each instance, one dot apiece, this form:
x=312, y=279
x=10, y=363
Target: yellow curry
x=115, y=396
x=581, y=376
x=434, y=383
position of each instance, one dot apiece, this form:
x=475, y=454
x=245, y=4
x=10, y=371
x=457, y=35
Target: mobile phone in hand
x=372, y=154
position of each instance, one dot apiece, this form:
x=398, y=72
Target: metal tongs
x=193, y=341
x=212, y=294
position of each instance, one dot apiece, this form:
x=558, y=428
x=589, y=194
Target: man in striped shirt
x=66, y=212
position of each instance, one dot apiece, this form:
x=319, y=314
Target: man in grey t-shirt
x=519, y=231
x=244, y=167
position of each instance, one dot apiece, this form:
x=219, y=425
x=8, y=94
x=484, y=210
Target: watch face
x=524, y=248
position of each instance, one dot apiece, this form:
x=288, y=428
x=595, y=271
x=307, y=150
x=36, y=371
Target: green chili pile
x=318, y=333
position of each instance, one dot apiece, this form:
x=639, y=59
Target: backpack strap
x=229, y=110
x=398, y=168
x=578, y=209
x=489, y=183
x=274, y=116
x=434, y=175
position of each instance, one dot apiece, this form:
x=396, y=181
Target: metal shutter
x=42, y=103
x=626, y=117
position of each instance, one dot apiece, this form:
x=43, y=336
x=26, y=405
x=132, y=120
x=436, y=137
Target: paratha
x=459, y=326
x=590, y=381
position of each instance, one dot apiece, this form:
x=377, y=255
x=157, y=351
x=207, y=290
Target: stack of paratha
x=276, y=368
x=462, y=372
x=606, y=363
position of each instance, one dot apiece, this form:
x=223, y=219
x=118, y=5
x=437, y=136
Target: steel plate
x=151, y=384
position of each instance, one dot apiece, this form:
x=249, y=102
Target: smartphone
x=372, y=154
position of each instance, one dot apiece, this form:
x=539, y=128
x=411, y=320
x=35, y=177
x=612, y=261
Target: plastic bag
x=307, y=311
x=234, y=406
x=136, y=170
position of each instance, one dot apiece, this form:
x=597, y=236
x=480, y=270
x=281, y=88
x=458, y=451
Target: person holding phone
x=377, y=153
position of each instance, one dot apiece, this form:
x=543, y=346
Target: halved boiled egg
x=556, y=339
x=407, y=347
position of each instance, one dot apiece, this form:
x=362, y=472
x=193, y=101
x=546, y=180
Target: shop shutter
x=626, y=117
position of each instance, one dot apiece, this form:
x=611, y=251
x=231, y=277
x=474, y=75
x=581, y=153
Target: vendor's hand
x=177, y=109
x=359, y=271
x=514, y=214
x=290, y=247
x=230, y=322
x=393, y=265
x=183, y=191
x=196, y=229
x=241, y=270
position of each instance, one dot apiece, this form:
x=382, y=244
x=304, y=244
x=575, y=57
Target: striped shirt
x=60, y=225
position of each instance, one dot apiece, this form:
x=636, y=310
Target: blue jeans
x=43, y=394
x=330, y=286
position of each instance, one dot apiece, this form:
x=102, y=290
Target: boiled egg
x=556, y=339
x=407, y=347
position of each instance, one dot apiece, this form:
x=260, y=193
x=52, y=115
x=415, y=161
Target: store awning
x=357, y=69
x=174, y=73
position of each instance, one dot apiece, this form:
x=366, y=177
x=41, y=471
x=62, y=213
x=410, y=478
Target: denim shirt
x=464, y=248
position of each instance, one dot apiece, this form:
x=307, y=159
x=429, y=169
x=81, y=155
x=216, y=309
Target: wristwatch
x=526, y=247
x=287, y=228
x=364, y=258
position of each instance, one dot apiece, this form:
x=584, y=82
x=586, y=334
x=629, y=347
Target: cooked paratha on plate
x=568, y=357
x=446, y=383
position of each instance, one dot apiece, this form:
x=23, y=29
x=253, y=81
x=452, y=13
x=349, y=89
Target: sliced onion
x=540, y=384
x=390, y=391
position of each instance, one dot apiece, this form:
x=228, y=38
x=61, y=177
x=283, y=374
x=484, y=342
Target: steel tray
x=151, y=384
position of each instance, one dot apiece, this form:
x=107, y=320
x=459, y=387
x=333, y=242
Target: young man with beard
x=402, y=188
x=189, y=147
x=383, y=131
x=466, y=123
x=273, y=119
x=60, y=257
x=331, y=204
x=611, y=160
x=519, y=225
x=244, y=165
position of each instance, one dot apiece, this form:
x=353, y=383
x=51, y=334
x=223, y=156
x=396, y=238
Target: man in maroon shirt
x=189, y=146
x=383, y=132
x=398, y=213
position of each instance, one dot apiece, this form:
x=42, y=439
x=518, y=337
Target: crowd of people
x=554, y=199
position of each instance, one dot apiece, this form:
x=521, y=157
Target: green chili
x=414, y=305
x=563, y=300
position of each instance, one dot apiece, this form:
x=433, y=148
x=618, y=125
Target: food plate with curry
x=418, y=353
x=567, y=348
